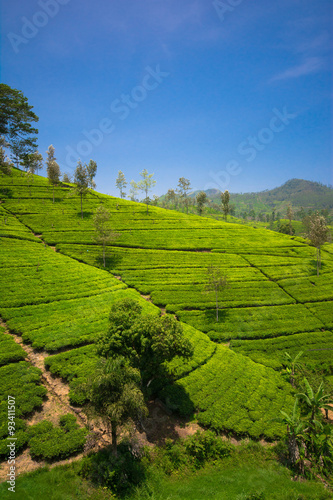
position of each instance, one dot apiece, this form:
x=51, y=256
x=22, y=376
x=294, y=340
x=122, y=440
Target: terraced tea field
x=59, y=301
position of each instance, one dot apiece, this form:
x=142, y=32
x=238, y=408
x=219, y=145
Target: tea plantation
x=59, y=302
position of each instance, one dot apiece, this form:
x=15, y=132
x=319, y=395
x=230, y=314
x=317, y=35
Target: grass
x=250, y=473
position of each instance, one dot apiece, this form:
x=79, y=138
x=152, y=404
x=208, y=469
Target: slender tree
x=113, y=394
x=91, y=171
x=225, y=198
x=81, y=181
x=66, y=178
x=33, y=162
x=121, y=183
x=103, y=232
x=5, y=165
x=201, y=200
x=184, y=186
x=171, y=196
x=216, y=282
x=133, y=191
x=318, y=233
x=146, y=184
x=52, y=168
x=290, y=215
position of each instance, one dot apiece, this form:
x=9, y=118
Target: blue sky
x=231, y=94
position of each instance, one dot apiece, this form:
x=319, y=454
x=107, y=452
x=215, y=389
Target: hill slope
x=56, y=302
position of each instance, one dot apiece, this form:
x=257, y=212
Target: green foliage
x=16, y=117
x=21, y=381
x=49, y=443
x=113, y=394
x=10, y=351
x=147, y=341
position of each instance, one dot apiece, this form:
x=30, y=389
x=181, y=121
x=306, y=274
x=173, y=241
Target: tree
x=16, y=116
x=146, y=341
x=290, y=215
x=66, y=178
x=285, y=228
x=81, y=181
x=33, y=162
x=201, y=200
x=133, y=191
x=113, y=394
x=318, y=234
x=146, y=184
x=171, y=196
x=91, y=171
x=216, y=281
x=5, y=165
x=52, y=168
x=184, y=186
x=103, y=232
x=121, y=183
x=225, y=198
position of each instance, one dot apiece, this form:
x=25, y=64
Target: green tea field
x=56, y=296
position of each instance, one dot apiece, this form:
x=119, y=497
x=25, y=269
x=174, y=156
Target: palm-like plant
x=315, y=401
x=291, y=364
x=295, y=428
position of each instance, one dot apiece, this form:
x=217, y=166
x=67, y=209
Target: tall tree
x=184, y=186
x=81, y=181
x=91, y=171
x=171, y=196
x=146, y=184
x=66, y=178
x=225, y=198
x=52, y=168
x=290, y=215
x=5, y=165
x=113, y=394
x=33, y=162
x=147, y=341
x=121, y=183
x=133, y=191
x=318, y=233
x=16, y=116
x=201, y=200
x=216, y=282
x=103, y=232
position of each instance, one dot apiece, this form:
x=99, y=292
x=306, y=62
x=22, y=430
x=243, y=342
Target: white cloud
x=310, y=65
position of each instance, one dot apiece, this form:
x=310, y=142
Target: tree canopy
x=146, y=341
x=146, y=184
x=113, y=394
x=16, y=117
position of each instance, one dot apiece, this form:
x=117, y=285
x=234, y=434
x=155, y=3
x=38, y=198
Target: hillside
x=59, y=301
x=297, y=192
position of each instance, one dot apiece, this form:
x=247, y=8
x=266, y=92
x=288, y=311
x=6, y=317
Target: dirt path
x=154, y=430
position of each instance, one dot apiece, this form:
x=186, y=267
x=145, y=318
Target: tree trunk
x=293, y=449
x=114, y=438
x=81, y=208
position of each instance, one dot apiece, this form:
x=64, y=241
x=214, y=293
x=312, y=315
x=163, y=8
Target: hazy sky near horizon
x=231, y=94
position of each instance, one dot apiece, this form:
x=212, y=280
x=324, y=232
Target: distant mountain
x=297, y=192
